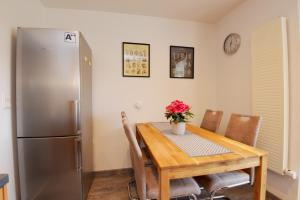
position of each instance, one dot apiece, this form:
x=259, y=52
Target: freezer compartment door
x=50, y=168
x=47, y=83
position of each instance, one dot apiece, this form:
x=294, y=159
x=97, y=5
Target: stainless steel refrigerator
x=54, y=115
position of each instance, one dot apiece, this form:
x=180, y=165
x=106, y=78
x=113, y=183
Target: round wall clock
x=232, y=43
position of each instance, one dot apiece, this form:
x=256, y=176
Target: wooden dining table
x=172, y=163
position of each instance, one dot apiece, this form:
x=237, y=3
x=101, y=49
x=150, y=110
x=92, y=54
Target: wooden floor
x=112, y=185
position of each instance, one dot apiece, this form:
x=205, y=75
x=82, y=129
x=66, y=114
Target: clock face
x=232, y=43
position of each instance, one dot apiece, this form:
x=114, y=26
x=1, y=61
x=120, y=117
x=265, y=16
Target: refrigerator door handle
x=77, y=154
x=76, y=112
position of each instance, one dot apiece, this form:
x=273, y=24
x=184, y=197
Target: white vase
x=178, y=128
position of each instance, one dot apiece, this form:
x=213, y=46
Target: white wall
x=234, y=78
x=112, y=93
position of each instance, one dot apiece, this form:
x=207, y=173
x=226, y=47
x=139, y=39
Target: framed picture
x=136, y=60
x=181, y=62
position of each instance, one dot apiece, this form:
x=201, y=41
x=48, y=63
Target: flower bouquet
x=178, y=113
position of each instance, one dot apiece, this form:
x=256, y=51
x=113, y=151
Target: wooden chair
x=146, y=178
x=242, y=128
x=211, y=120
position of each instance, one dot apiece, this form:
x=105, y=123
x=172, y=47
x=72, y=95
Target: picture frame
x=181, y=62
x=136, y=59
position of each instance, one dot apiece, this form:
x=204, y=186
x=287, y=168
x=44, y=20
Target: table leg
x=3, y=193
x=260, y=179
x=164, y=185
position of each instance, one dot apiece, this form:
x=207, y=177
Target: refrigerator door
x=47, y=83
x=50, y=168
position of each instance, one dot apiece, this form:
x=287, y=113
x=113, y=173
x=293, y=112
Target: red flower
x=178, y=111
x=177, y=107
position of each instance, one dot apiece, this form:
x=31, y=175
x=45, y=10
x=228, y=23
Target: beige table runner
x=191, y=144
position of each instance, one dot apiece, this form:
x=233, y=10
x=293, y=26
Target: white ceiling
x=209, y=11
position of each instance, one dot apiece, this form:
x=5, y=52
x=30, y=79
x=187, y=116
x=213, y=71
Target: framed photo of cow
x=181, y=62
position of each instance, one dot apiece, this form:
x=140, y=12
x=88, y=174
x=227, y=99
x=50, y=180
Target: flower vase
x=178, y=128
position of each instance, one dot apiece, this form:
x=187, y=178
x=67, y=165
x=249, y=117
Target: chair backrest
x=137, y=160
x=123, y=114
x=243, y=128
x=211, y=120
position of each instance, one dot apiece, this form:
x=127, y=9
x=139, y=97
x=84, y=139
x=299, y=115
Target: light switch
x=5, y=101
x=138, y=105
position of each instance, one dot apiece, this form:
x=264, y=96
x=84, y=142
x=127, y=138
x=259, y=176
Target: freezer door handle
x=76, y=112
x=77, y=142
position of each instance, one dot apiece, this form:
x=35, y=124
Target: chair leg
x=130, y=183
x=194, y=196
x=213, y=194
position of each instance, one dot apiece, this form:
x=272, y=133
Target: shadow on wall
x=13, y=109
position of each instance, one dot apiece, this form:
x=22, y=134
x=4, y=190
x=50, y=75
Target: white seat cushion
x=178, y=187
x=217, y=181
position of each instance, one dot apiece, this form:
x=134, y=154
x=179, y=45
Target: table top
x=167, y=155
x=3, y=180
